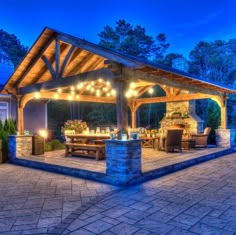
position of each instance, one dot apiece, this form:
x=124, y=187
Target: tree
x=10, y=44
x=133, y=40
x=214, y=60
x=168, y=60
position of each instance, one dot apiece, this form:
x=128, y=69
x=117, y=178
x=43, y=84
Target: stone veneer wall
x=19, y=146
x=123, y=160
x=193, y=124
x=225, y=138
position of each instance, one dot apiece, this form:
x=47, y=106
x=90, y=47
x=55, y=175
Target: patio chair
x=173, y=140
x=201, y=139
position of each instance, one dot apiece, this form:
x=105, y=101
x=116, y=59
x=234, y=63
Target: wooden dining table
x=86, y=145
x=87, y=138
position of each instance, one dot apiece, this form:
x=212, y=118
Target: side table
x=188, y=143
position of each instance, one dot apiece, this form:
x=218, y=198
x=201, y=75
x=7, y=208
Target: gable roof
x=77, y=56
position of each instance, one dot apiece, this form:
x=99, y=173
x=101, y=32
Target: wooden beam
x=85, y=45
x=33, y=62
x=42, y=72
x=66, y=60
x=49, y=66
x=64, y=96
x=57, y=58
x=166, y=81
x=183, y=97
x=68, y=81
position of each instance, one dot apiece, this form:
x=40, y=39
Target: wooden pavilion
x=60, y=66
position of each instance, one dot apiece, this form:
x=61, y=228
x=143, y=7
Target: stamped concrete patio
x=198, y=200
x=154, y=163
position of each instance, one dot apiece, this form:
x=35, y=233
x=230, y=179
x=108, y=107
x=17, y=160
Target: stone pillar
x=123, y=160
x=225, y=138
x=19, y=146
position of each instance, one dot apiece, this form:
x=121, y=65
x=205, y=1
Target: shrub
x=54, y=145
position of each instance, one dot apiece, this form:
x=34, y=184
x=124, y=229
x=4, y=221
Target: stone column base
x=225, y=138
x=19, y=146
x=123, y=160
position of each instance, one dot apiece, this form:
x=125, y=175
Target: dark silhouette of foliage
x=133, y=40
x=11, y=45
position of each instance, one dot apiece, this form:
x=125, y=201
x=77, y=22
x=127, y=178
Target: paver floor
x=196, y=200
x=151, y=159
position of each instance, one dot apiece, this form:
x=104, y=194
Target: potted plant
x=9, y=128
x=77, y=125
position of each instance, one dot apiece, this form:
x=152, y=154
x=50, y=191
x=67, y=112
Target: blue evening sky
x=185, y=22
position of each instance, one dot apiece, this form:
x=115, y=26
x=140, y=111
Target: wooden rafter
x=172, y=83
x=66, y=60
x=21, y=78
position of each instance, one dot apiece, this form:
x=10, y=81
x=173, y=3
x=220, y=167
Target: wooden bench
x=91, y=150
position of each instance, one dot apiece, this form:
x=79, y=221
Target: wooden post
x=134, y=119
x=224, y=115
x=121, y=104
x=133, y=107
x=20, y=120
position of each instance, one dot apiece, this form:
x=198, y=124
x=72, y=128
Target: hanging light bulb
x=80, y=85
x=72, y=88
x=150, y=91
x=59, y=90
x=132, y=85
x=100, y=80
x=37, y=95
x=113, y=92
x=77, y=97
x=108, y=83
x=98, y=93
x=55, y=96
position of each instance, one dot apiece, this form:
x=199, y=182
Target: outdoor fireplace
x=182, y=113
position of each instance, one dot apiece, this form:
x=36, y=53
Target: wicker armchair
x=201, y=139
x=173, y=140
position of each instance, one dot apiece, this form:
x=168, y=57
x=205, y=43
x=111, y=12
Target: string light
x=55, y=96
x=37, y=95
x=59, y=90
x=98, y=93
x=132, y=85
x=150, y=91
x=113, y=92
x=80, y=85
